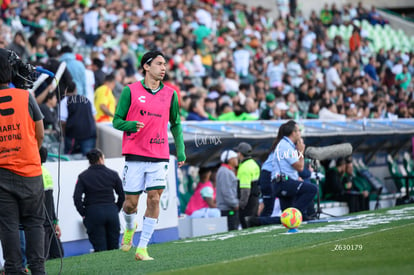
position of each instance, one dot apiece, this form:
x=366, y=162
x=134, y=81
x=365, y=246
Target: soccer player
x=143, y=113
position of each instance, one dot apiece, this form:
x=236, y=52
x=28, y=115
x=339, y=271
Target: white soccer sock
x=129, y=220
x=147, y=229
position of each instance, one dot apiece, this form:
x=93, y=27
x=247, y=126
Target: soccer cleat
x=127, y=238
x=142, y=255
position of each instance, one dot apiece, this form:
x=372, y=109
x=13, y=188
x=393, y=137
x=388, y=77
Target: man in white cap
x=226, y=189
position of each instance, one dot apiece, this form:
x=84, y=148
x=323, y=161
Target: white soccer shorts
x=139, y=176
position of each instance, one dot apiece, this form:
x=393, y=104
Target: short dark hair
x=110, y=77
x=66, y=49
x=340, y=161
x=98, y=62
x=203, y=171
x=149, y=57
x=49, y=95
x=71, y=88
x=94, y=155
x=5, y=67
x=52, y=52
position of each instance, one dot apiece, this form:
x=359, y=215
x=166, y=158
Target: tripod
x=319, y=211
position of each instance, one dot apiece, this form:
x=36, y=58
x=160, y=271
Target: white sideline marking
x=358, y=222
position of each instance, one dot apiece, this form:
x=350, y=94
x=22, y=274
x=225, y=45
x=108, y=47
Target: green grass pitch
x=376, y=242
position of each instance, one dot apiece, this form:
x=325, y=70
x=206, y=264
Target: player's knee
x=130, y=207
x=153, y=199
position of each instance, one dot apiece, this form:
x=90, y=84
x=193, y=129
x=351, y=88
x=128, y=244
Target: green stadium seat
x=394, y=172
x=409, y=168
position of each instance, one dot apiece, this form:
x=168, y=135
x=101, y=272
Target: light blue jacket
x=77, y=70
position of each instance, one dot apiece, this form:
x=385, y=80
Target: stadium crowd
x=227, y=61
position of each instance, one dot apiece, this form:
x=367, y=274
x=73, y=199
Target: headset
x=226, y=159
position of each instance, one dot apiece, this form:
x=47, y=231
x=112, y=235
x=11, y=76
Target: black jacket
x=98, y=184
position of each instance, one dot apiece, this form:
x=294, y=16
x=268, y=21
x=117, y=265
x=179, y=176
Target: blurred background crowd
x=227, y=61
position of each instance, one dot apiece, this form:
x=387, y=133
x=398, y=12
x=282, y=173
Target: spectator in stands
x=267, y=113
x=105, y=102
x=403, y=110
x=76, y=69
x=375, y=17
x=127, y=58
x=313, y=110
x=20, y=46
x=78, y=122
x=241, y=60
x=231, y=82
x=355, y=40
x=90, y=79
x=202, y=203
x=248, y=174
x=294, y=70
x=196, y=109
x=371, y=70
x=210, y=106
x=227, y=184
x=49, y=111
x=97, y=65
x=288, y=161
x=95, y=201
x=283, y=7
x=326, y=15
x=390, y=111
x=388, y=80
x=333, y=79
x=293, y=111
x=53, y=65
x=275, y=71
x=404, y=78
x=91, y=24
x=66, y=37
x=330, y=111
x=411, y=110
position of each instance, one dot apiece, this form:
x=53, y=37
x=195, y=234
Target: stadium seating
x=401, y=173
x=380, y=37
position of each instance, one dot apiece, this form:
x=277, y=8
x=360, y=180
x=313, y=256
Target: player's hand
x=139, y=125
x=181, y=163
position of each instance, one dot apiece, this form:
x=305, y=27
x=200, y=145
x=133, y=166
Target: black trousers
x=232, y=219
x=298, y=194
x=267, y=188
x=21, y=201
x=250, y=210
x=103, y=227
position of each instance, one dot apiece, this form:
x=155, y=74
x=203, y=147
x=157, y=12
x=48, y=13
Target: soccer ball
x=291, y=218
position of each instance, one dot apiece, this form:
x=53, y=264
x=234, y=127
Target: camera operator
x=21, y=185
x=288, y=160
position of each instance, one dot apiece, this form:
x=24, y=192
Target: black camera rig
x=23, y=74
